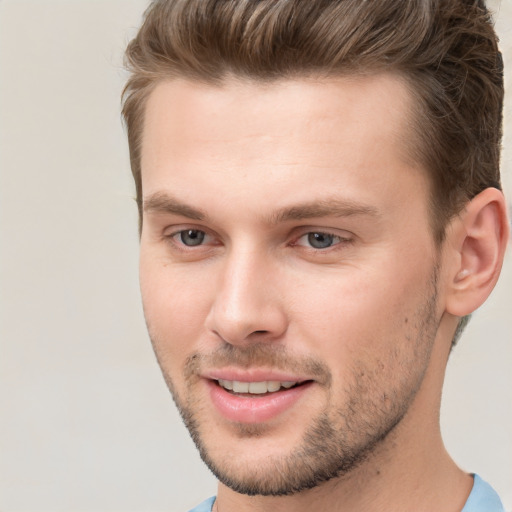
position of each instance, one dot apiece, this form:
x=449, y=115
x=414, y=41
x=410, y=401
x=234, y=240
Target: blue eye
x=321, y=240
x=191, y=237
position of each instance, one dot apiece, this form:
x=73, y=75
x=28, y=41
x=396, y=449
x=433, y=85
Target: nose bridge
x=246, y=304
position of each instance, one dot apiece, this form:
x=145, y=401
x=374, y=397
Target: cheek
x=363, y=314
x=175, y=307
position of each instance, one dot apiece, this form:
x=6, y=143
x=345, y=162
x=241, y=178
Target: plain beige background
x=86, y=423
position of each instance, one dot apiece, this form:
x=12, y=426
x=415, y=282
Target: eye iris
x=192, y=237
x=320, y=240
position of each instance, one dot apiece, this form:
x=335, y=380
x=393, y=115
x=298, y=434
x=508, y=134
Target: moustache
x=257, y=355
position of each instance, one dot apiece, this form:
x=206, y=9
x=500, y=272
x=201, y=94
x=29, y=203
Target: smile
x=256, y=401
x=255, y=388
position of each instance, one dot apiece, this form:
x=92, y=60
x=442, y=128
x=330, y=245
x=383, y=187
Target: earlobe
x=478, y=247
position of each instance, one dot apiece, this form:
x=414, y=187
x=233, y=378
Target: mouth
x=265, y=387
x=256, y=401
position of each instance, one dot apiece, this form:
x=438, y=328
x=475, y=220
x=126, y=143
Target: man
x=320, y=211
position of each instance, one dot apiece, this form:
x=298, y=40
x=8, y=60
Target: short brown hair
x=445, y=49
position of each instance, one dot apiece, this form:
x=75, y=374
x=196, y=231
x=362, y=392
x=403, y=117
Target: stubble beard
x=336, y=442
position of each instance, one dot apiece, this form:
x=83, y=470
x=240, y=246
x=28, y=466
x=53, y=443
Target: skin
x=367, y=320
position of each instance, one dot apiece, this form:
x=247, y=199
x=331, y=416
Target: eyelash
x=173, y=237
x=336, y=240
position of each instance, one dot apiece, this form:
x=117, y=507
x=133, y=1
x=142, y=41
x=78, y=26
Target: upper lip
x=252, y=375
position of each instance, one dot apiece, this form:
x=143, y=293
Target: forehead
x=377, y=106
x=304, y=137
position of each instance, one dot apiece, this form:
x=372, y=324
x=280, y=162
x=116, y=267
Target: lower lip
x=257, y=409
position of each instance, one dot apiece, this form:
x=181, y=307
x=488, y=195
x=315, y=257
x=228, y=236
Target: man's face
x=288, y=271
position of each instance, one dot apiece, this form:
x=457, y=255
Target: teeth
x=240, y=387
x=226, y=384
x=256, y=388
x=273, y=385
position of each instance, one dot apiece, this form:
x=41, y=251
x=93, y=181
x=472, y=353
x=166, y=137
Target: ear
x=477, y=239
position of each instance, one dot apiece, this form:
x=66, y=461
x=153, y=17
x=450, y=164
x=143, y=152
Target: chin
x=253, y=465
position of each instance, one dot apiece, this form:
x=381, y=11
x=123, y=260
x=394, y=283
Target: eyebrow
x=331, y=207
x=161, y=202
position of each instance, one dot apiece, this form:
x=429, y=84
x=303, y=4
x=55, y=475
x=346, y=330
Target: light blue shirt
x=483, y=498
x=206, y=506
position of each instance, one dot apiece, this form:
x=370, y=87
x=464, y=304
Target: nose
x=247, y=305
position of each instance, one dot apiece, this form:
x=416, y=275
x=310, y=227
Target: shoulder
x=483, y=498
x=205, y=506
